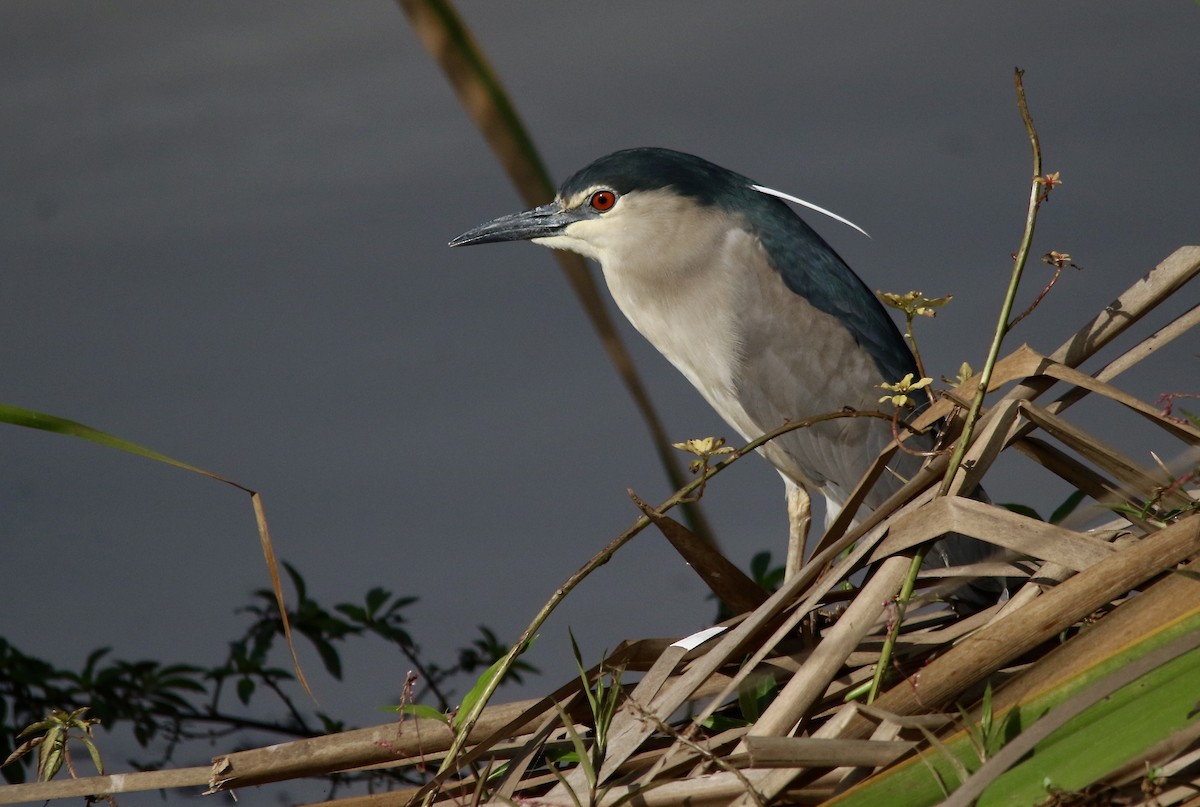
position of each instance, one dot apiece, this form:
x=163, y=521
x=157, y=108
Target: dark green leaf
x=376, y=597
x=329, y=657
x=1022, y=510
x=420, y=710
x=355, y=612
x=1067, y=507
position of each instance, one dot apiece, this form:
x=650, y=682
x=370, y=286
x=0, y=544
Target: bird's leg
x=799, y=509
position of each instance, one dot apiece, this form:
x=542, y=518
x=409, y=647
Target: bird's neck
x=683, y=298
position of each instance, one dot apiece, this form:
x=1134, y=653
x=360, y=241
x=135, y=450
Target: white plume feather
x=809, y=205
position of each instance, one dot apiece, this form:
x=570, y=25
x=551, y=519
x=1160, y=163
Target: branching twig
x=915, y=304
x=900, y=443
x=1058, y=260
x=1039, y=188
x=1166, y=402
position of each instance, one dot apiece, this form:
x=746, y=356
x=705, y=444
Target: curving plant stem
x=1038, y=191
x=447, y=38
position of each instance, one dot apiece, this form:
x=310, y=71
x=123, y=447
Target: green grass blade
x=30, y=419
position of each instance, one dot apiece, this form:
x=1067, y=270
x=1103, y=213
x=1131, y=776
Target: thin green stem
x=912, y=343
x=1002, y=325
x=889, y=642
x=1036, y=195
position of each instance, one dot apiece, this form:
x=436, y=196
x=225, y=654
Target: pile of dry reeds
x=1080, y=688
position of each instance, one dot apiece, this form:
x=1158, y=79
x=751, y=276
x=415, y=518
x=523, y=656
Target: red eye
x=603, y=200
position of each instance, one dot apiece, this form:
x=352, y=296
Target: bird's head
x=631, y=199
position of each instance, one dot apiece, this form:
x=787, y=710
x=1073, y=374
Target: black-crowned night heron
x=748, y=302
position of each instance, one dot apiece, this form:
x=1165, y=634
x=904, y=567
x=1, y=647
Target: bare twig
x=1056, y=259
